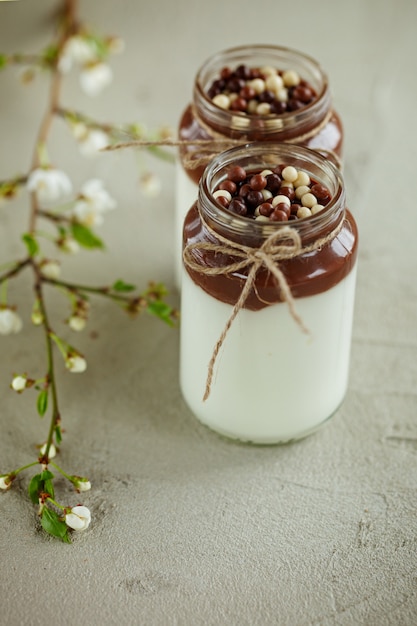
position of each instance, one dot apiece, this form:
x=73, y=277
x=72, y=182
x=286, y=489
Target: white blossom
x=69, y=245
x=51, y=453
x=77, y=323
x=50, y=269
x=93, y=142
x=5, y=482
x=76, y=363
x=77, y=50
x=49, y=184
x=79, y=518
x=19, y=383
x=150, y=184
x=95, y=77
x=94, y=200
x=10, y=322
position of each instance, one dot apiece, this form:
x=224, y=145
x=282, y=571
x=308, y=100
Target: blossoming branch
x=71, y=218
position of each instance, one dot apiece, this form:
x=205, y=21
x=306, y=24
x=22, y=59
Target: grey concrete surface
x=188, y=528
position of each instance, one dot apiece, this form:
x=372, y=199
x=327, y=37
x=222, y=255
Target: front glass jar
x=313, y=124
x=273, y=366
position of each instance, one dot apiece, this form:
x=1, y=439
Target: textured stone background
x=188, y=528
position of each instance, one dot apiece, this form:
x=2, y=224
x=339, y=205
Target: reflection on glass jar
x=267, y=306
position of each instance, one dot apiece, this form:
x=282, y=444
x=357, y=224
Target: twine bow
x=283, y=244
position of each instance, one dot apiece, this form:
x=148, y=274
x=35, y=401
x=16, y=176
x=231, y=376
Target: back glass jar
x=252, y=93
x=267, y=293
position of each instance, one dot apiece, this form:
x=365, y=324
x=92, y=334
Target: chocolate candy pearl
x=257, y=182
x=237, y=174
x=223, y=201
x=278, y=169
x=238, y=206
x=239, y=104
x=226, y=73
x=228, y=185
x=294, y=208
x=273, y=183
x=278, y=107
x=243, y=71
x=235, y=84
x=282, y=206
x=267, y=96
x=265, y=209
x=293, y=217
x=254, y=198
x=287, y=191
x=302, y=93
x=247, y=92
x=255, y=73
x=244, y=190
x=321, y=192
x=294, y=105
x=278, y=216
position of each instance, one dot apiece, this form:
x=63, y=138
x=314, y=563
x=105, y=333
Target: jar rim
x=315, y=164
x=239, y=121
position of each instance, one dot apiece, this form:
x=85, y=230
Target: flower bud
x=5, y=482
x=10, y=321
x=75, y=363
x=19, y=383
x=50, y=269
x=77, y=323
x=81, y=483
x=52, y=451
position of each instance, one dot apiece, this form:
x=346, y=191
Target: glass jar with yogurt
x=267, y=306
x=313, y=123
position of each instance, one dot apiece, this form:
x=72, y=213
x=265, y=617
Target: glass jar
x=283, y=361
x=316, y=125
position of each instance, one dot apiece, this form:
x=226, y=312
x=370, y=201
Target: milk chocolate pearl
x=287, y=191
x=265, y=209
x=225, y=202
x=257, y=182
x=278, y=216
x=226, y=73
x=247, y=93
x=237, y=174
x=228, y=185
x=282, y=206
x=239, y=104
x=321, y=192
x=302, y=93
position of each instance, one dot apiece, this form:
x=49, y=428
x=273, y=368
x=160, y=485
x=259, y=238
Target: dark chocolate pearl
x=293, y=217
x=278, y=107
x=278, y=216
x=266, y=96
x=294, y=208
x=321, y=192
x=235, y=84
x=228, y=185
x=265, y=209
x=243, y=71
x=254, y=198
x=226, y=73
x=273, y=183
x=244, y=190
x=294, y=105
x=238, y=104
x=258, y=182
x=255, y=73
x=278, y=169
x=213, y=92
x=238, y=206
x=302, y=93
x=219, y=84
x=237, y=174
x=287, y=191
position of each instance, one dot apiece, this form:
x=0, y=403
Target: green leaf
x=53, y=525
x=162, y=310
x=3, y=61
x=48, y=487
x=50, y=54
x=31, y=244
x=58, y=434
x=42, y=402
x=35, y=487
x=46, y=475
x=85, y=237
x=120, y=285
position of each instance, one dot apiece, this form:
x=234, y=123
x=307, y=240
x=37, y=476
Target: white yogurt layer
x=186, y=193
x=272, y=382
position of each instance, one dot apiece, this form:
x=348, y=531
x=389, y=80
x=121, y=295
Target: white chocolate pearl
x=302, y=179
x=264, y=108
x=266, y=172
x=222, y=192
x=232, y=96
x=258, y=85
x=268, y=70
x=282, y=95
x=316, y=208
x=274, y=83
x=300, y=191
x=287, y=183
x=303, y=211
x=289, y=173
x=261, y=218
x=252, y=106
x=308, y=200
x=279, y=199
x=266, y=193
x=221, y=100
x=290, y=78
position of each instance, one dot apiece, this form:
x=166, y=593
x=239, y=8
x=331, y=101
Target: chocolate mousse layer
x=309, y=274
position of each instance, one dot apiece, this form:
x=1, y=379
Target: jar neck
x=290, y=126
x=256, y=157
